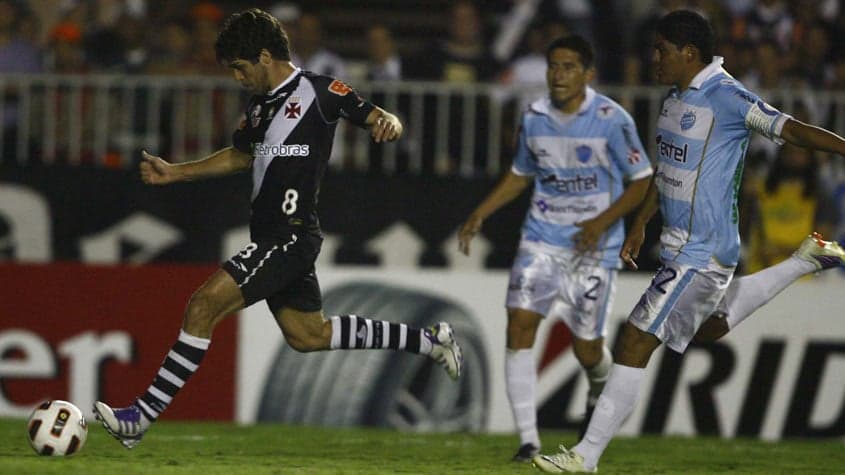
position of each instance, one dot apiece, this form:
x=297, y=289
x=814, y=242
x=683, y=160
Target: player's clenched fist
x=386, y=128
x=155, y=171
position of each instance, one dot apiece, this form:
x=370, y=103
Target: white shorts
x=556, y=285
x=678, y=301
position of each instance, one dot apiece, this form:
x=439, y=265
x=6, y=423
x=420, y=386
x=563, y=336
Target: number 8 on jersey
x=289, y=205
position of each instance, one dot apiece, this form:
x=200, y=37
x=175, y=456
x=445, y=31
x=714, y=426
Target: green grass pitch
x=216, y=448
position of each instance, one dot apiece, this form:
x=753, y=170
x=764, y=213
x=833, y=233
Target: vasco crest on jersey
x=293, y=108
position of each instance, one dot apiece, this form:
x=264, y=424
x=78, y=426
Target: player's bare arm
x=592, y=229
x=635, y=236
x=157, y=171
x=510, y=186
x=809, y=136
x=384, y=126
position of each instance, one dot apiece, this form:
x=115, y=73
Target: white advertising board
x=781, y=373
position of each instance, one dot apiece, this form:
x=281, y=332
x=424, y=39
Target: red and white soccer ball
x=57, y=428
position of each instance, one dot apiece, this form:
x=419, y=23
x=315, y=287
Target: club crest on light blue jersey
x=687, y=120
x=584, y=153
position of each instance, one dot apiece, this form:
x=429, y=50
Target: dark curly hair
x=685, y=27
x=246, y=33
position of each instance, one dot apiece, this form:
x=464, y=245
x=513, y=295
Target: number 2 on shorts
x=593, y=292
x=666, y=275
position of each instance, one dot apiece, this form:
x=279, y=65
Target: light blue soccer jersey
x=579, y=162
x=702, y=137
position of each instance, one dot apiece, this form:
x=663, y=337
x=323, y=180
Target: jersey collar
x=284, y=83
x=544, y=104
x=712, y=69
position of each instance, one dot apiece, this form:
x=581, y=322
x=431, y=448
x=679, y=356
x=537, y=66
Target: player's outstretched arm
x=384, y=126
x=510, y=186
x=157, y=171
x=809, y=136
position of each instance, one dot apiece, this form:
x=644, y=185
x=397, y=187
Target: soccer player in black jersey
x=285, y=139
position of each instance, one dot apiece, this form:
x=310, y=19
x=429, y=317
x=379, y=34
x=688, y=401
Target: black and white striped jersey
x=289, y=133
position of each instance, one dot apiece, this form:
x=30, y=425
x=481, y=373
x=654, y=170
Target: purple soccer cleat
x=823, y=254
x=123, y=423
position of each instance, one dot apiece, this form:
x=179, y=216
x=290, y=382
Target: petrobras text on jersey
x=263, y=150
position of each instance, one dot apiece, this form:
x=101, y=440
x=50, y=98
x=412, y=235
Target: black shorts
x=279, y=271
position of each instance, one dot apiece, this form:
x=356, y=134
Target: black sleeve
x=240, y=139
x=242, y=136
x=337, y=100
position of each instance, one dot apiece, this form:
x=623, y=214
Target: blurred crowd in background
x=766, y=43
x=769, y=45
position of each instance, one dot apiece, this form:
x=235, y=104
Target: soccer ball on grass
x=56, y=428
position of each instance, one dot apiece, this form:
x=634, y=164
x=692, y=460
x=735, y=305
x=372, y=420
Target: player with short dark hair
x=583, y=154
x=703, y=133
x=575, y=43
x=245, y=34
x=684, y=27
x=286, y=140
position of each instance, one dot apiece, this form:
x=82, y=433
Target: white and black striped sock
x=352, y=332
x=179, y=364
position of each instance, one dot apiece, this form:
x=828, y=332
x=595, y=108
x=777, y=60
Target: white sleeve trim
x=777, y=127
x=517, y=171
x=646, y=172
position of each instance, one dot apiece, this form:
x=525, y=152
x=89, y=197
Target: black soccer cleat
x=525, y=453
